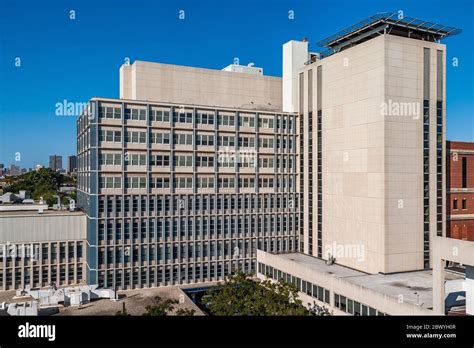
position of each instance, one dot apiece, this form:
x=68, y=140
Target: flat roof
x=34, y=213
x=390, y=23
x=393, y=284
x=257, y=109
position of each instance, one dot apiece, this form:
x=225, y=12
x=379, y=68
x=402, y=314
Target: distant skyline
x=63, y=59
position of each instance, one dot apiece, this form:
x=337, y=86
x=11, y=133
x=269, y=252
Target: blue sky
x=74, y=60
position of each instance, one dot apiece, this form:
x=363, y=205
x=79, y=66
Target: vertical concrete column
x=438, y=286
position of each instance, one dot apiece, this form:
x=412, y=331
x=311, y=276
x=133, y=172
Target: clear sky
x=74, y=60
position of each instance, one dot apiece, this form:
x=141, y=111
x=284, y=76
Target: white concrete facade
x=39, y=249
x=372, y=157
x=167, y=83
x=460, y=251
x=295, y=54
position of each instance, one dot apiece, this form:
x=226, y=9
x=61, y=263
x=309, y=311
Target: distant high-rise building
x=71, y=164
x=14, y=170
x=56, y=162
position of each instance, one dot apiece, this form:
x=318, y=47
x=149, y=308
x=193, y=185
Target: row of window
x=185, y=116
x=150, y=230
x=180, y=182
x=41, y=276
x=185, y=252
x=139, y=137
x=463, y=205
x=199, y=202
x=304, y=286
x=172, y=274
x=353, y=307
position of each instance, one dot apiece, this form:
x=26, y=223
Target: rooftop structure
x=391, y=23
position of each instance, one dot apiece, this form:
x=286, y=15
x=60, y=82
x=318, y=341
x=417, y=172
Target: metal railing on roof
x=391, y=18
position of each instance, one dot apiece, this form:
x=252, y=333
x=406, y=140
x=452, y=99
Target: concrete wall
x=460, y=251
x=42, y=228
x=372, y=161
x=149, y=81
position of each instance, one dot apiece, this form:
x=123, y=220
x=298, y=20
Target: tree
x=240, y=294
x=160, y=307
x=44, y=182
x=185, y=312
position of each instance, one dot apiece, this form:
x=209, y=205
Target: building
x=372, y=170
x=14, y=170
x=460, y=190
x=56, y=162
x=186, y=176
x=40, y=247
x=71, y=164
x=332, y=178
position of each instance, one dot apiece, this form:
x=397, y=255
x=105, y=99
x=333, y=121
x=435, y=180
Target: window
x=203, y=117
x=160, y=160
x=183, y=182
x=160, y=182
x=159, y=115
x=246, y=121
x=110, y=159
x=205, y=139
x=136, y=182
x=265, y=162
x=464, y=172
x=160, y=138
x=455, y=204
x=265, y=182
x=206, y=182
x=247, y=142
x=464, y=203
x=110, y=136
x=183, y=116
x=135, y=159
x=226, y=120
x=183, y=139
x=246, y=182
x=227, y=182
x=265, y=122
x=204, y=161
x=135, y=114
x=265, y=143
x=135, y=137
x=110, y=112
x=110, y=182
x=224, y=140
x=183, y=161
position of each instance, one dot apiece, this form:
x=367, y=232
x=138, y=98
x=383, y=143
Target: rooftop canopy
x=390, y=23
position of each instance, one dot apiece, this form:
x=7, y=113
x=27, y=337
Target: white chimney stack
x=295, y=54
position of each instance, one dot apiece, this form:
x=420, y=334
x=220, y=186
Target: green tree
x=44, y=182
x=240, y=294
x=185, y=312
x=160, y=307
